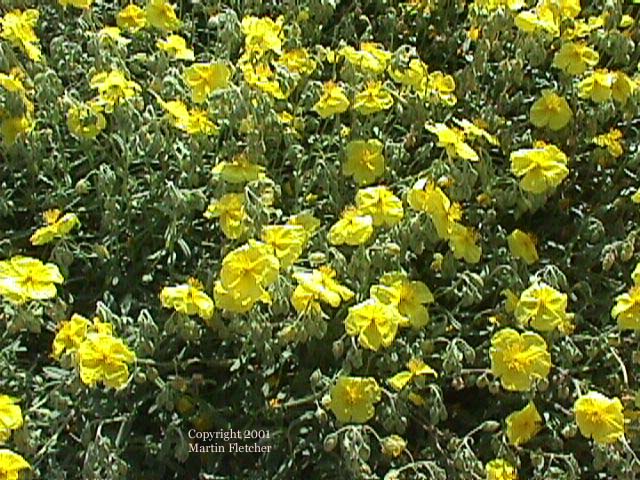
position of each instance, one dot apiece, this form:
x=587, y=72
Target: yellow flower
x=544, y=308
x=575, y=57
x=417, y=368
x=371, y=58
x=316, y=286
x=622, y=87
x=104, y=358
x=76, y=3
x=563, y=8
x=519, y=359
x=374, y=98
x=200, y=124
x=499, y=469
x=188, y=298
x=12, y=128
x=12, y=82
x=262, y=77
x=490, y=5
x=113, y=88
x=110, y=35
x=511, y=300
x=245, y=273
x=332, y=102
x=542, y=168
x=18, y=29
x=239, y=170
x=611, y=141
x=25, y=278
x=10, y=416
x=442, y=87
x=193, y=122
x=453, y=141
x=426, y=196
x=287, y=241
x=285, y=118
x=374, y=323
x=307, y=221
x=70, y=335
x=162, y=15
x=263, y=35
x=420, y=6
x=177, y=113
x=381, y=205
x=598, y=86
x=393, y=446
x=99, y=326
x=523, y=425
x=550, y=110
x=408, y=296
x=364, y=161
x=353, y=399
x=56, y=227
x=522, y=245
x=539, y=19
x=297, y=61
x=463, y=242
x=627, y=21
x=353, y=228
x=415, y=75
x=474, y=130
x=233, y=217
x=627, y=309
x=582, y=28
x=132, y=18
x=205, y=78
x=176, y=47
x=11, y=464
x=599, y=417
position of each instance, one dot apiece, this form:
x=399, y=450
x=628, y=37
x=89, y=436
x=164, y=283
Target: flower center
x=353, y=395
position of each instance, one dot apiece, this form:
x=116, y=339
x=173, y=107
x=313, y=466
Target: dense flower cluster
x=404, y=223
x=98, y=354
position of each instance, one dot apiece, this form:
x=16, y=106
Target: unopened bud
x=330, y=443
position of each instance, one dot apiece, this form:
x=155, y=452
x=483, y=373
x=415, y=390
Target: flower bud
x=315, y=378
x=570, y=431
x=482, y=381
x=152, y=374
x=626, y=252
x=457, y=383
x=317, y=258
x=321, y=415
x=427, y=347
x=82, y=187
x=494, y=388
x=184, y=405
x=392, y=249
x=543, y=385
x=393, y=446
x=490, y=426
x=338, y=349
x=330, y=442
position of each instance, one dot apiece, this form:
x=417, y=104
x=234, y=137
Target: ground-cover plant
x=356, y=239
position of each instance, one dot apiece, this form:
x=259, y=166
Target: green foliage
x=141, y=187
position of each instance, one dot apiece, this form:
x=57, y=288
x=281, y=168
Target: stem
x=302, y=401
x=625, y=377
